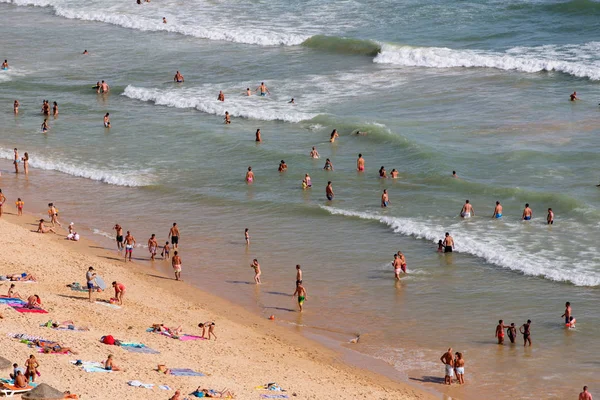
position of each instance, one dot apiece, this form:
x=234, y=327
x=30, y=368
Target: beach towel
x=142, y=350
x=131, y=344
x=183, y=337
x=274, y=396
x=140, y=384
x=185, y=372
x=25, y=337
x=164, y=387
x=75, y=286
x=12, y=300
x=91, y=366
x=41, y=350
x=30, y=310
x=114, y=306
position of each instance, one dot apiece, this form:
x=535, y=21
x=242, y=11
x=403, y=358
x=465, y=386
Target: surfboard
x=100, y=282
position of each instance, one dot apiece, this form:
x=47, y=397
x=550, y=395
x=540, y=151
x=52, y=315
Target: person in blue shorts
x=527, y=213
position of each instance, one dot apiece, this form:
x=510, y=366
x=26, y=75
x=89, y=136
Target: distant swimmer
x=525, y=330
x=227, y=118
x=361, y=133
x=55, y=109
x=282, y=166
x=107, y=120
x=249, y=175
x=394, y=174
x=440, y=248
x=574, y=96
x=402, y=261
x=221, y=96
x=382, y=172
x=329, y=191
x=454, y=174
x=333, y=135
x=512, y=332
x=97, y=87
x=292, y=101
x=247, y=236
x=302, y=295
x=264, y=90
x=16, y=106
x=178, y=77
x=497, y=211
x=585, y=395
x=258, y=138
x=550, y=217
x=257, y=271
x=385, y=200
x=568, y=312
x=248, y=92
x=467, y=210
x=448, y=243
x=104, y=88
x=308, y=180
x=500, y=332
x=85, y=52
x=315, y=154
x=328, y=165
x=527, y=213
x=360, y=163
x=5, y=65
x=164, y=20
x=397, y=266
x=45, y=126
x=45, y=107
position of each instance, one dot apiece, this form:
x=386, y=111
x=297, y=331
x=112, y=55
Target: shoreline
x=322, y=356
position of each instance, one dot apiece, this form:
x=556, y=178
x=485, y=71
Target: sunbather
x=162, y=328
x=34, y=302
x=12, y=293
x=52, y=347
x=110, y=365
x=21, y=277
x=20, y=380
x=213, y=393
x=43, y=229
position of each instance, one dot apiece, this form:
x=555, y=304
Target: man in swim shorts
x=360, y=163
x=119, y=230
x=385, y=200
x=467, y=210
x=500, y=332
x=329, y=191
x=397, y=266
x=525, y=330
x=129, y=244
x=448, y=362
x=448, y=243
x=178, y=77
x=263, y=89
x=573, y=96
x=176, y=263
x=104, y=88
x=301, y=292
x=527, y=213
x=90, y=278
x=550, y=217
x=497, y=211
x=174, y=235
x=567, y=313
x=5, y=64
x=152, y=246
x=107, y=120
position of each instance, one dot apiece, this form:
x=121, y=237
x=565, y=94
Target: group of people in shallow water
x=467, y=211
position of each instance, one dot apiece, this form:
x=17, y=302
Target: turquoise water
x=477, y=87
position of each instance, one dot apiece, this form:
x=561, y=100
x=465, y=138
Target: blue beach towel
x=273, y=396
x=185, y=372
x=141, y=350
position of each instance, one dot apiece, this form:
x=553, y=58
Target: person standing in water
x=263, y=89
x=249, y=175
x=107, y=120
x=282, y=166
x=397, y=266
x=257, y=272
x=385, y=200
x=55, y=109
x=573, y=96
x=45, y=126
x=550, y=217
x=152, y=246
x=258, y=138
x=247, y=237
x=454, y=174
x=25, y=163
x=221, y=96
x=527, y=213
x=178, y=77
x=467, y=210
x=333, y=135
x=174, y=234
x=248, y=92
x=459, y=366
x=119, y=237
x=16, y=107
x=298, y=275
x=329, y=191
x=129, y=244
x=5, y=65
x=500, y=332
x=512, y=332
x=314, y=153
x=104, y=88
x=585, y=395
x=448, y=243
x=227, y=118
x=301, y=292
x=164, y=20
x=448, y=362
x=568, y=312
x=328, y=165
x=360, y=163
x=497, y=211
x=525, y=330
x=402, y=261
x=16, y=160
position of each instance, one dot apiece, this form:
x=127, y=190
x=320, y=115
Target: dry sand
x=250, y=350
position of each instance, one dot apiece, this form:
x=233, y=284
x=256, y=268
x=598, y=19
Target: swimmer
x=107, y=120
x=248, y=92
x=333, y=135
x=361, y=133
x=85, y=52
x=282, y=166
x=394, y=174
x=257, y=272
x=308, y=180
x=5, y=64
x=249, y=175
x=221, y=96
x=152, y=246
x=45, y=126
x=573, y=96
x=568, y=312
x=19, y=204
x=454, y=174
x=16, y=160
x=500, y=332
x=247, y=237
x=263, y=89
x=227, y=118
x=396, y=265
x=55, y=109
x=304, y=185
x=258, y=138
x=550, y=217
x=164, y=20
x=178, y=77
x=385, y=200
x=585, y=395
x=97, y=87
x=525, y=330
x=448, y=243
x=360, y=163
x=382, y=172
x=104, y=88
x=511, y=331
x=329, y=191
x=527, y=213
x=292, y=101
x=467, y=210
x=314, y=153
x=328, y=165
x=440, y=248
x=16, y=106
x=302, y=295
x=497, y=211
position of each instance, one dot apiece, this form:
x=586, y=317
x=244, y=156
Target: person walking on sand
x=176, y=263
x=497, y=211
x=360, y=163
x=119, y=291
x=459, y=365
x=2, y=201
x=385, y=199
x=152, y=246
x=500, y=332
x=568, y=312
x=247, y=237
x=129, y=244
x=525, y=330
x=257, y=272
x=16, y=160
x=301, y=292
x=329, y=191
x=19, y=204
x=448, y=243
x=467, y=210
x=90, y=277
x=120, y=241
x=448, y=362
x=208, y=326
x=53, y=214
x=264, y=90
x=585, y=395
x=527, y=213
x=298, y=274
x=178, y=77
x=174, y=235
x=31, y=365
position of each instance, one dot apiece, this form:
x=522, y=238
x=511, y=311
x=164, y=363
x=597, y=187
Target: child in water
x=440, y=247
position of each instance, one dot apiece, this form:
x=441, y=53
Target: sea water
x=481, y=88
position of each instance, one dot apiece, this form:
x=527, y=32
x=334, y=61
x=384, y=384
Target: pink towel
x=186, y=338
x=30, y=310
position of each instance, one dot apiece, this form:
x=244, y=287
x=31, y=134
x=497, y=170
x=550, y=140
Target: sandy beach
x=249, y=351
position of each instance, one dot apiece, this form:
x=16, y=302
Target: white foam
x=577, y=60
x=112, y=237
x=116, y=177
x=506, y=251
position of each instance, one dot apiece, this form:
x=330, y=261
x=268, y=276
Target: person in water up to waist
x=497, y=211
x=467, y=210
x=527, y=213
